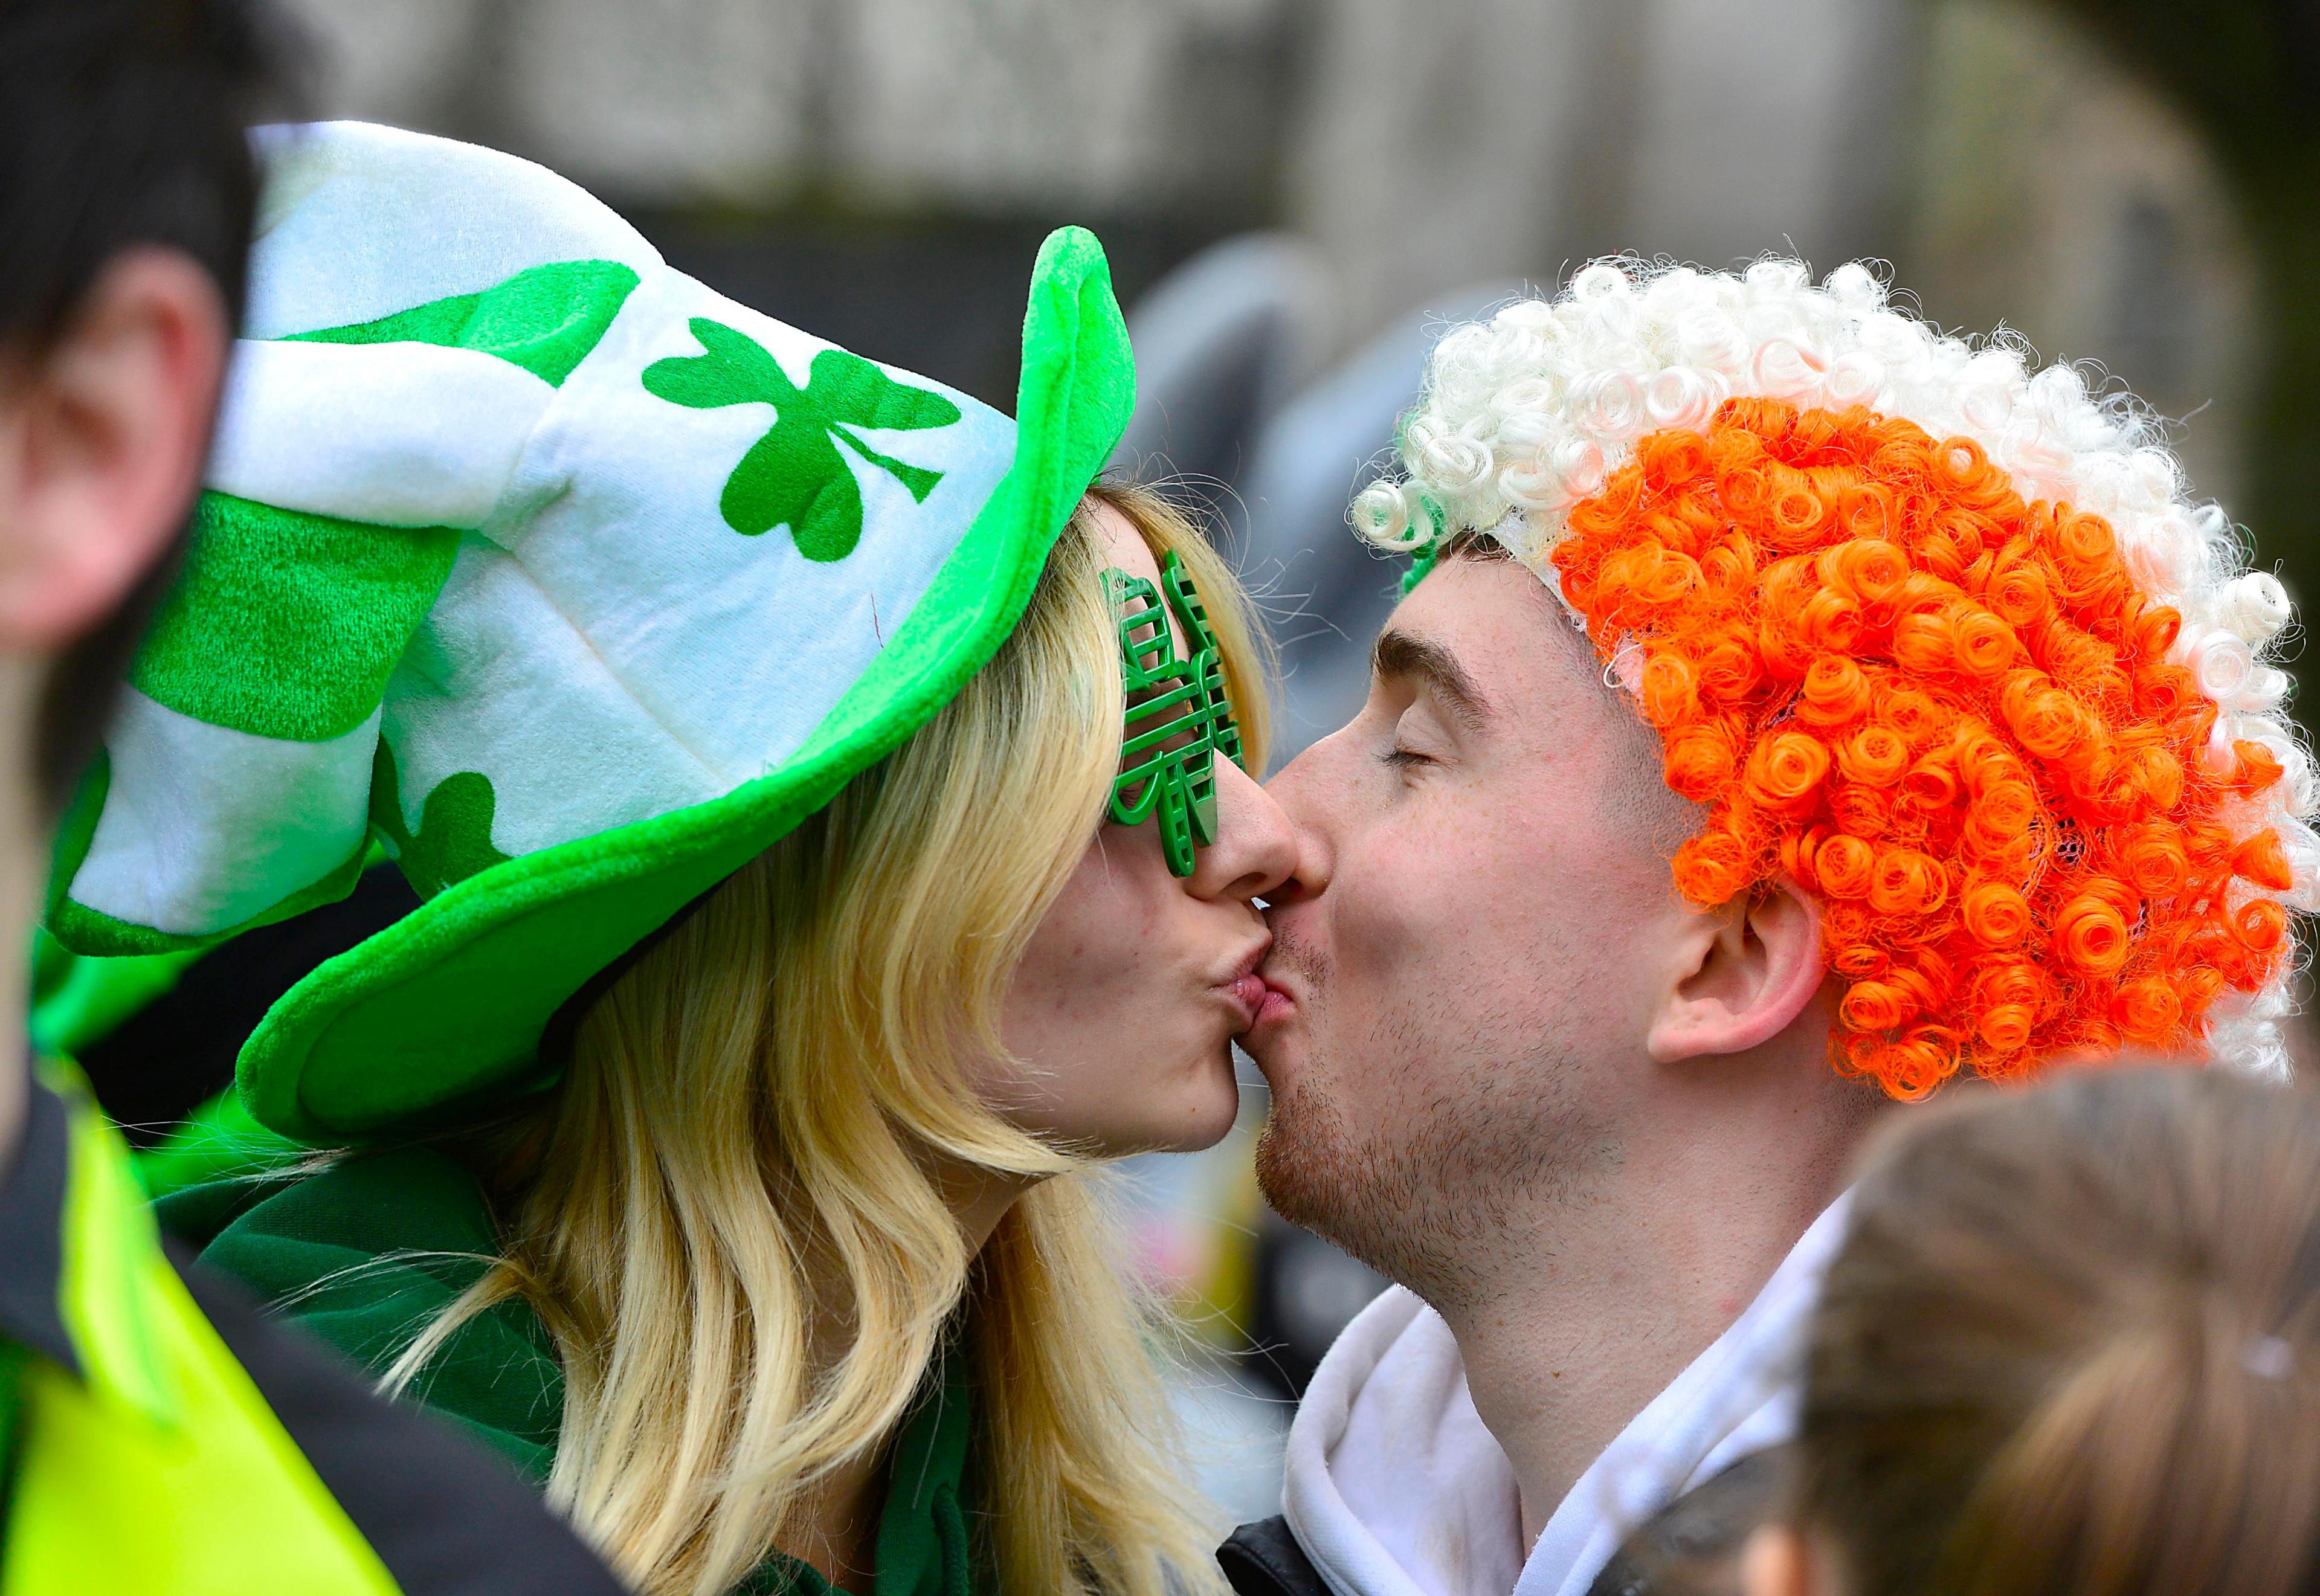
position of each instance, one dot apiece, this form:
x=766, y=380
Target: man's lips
x=1278, y=997
x=1279, y=974
x=1259, y=1002
x=1277, y=1006
x=1247, y=988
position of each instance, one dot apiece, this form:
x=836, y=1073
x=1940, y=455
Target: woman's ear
x=1748, y=969
x=103, y=435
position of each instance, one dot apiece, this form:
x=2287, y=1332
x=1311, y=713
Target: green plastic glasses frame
x=1178, y=717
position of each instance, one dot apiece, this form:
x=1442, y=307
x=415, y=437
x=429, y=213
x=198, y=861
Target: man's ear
x=1745, y=971
x=103, y=437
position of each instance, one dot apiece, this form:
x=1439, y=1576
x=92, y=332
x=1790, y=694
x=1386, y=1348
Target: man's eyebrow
x=1399, y=654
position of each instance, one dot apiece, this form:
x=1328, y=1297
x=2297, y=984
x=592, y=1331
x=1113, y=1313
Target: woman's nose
x=1256, y=850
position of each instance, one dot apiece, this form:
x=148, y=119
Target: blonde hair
x=764, y=1088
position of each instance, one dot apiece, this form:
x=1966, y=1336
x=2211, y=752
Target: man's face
x=1468, y=959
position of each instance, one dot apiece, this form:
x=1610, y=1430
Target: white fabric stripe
x=205, y=827
x=398, y=434
x=358, y=222
x=501, y=683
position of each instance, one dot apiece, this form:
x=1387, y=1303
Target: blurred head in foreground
x=126, y=193
x=2072, y=1345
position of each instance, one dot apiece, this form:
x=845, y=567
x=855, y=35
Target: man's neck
x=1585, y=1314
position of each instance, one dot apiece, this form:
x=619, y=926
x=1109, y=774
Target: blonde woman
x=726, y=1162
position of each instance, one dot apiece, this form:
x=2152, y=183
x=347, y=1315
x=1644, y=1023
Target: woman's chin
x=1204, y=1120
x=1208, y=1133
x=1193, y=1124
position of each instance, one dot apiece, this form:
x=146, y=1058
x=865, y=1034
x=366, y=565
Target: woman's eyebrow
x=1400, y=655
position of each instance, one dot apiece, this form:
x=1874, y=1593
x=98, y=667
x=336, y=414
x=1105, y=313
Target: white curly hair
x=1526, y=413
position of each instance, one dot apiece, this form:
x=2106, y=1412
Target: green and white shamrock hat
x=574, y=584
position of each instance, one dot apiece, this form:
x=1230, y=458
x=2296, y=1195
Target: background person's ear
x=103, y=437
x=1744, y=971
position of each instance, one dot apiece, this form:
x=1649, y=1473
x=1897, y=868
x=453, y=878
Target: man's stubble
x=1440, y=1196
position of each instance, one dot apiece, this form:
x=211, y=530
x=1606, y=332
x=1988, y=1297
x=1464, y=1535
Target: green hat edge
x=444, y=1009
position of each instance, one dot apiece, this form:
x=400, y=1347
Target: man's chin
x=1302, y=1157
x=1269, y=1051
x=1277, y=1044
x=1363, y=1194
x=1280, y=1176
x=1276, y=1033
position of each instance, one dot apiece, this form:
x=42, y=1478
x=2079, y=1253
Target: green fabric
x=157, y=1466
x=366, y=1253
x=793, y=477
x=327, y=605
x=444, y=1009
x=79, y=1001
x=218, y=1141
x=75, y=826
x=454, y=839
x=1427, y=547
x=545, y=319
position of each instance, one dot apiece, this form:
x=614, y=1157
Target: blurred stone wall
x=2057, y=194
x=1451, y=144
x=886, y=164
x=878, y=170
x=896, y=104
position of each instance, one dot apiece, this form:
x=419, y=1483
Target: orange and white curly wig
x=1940, y=638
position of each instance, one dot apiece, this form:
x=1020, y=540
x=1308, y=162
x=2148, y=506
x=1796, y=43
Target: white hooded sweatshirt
x=1394, y=1488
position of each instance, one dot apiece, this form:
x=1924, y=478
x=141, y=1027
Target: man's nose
x=1256, y=850
x=1301, y=790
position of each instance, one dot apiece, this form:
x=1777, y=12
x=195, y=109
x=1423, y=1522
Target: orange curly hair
x=1948, y=713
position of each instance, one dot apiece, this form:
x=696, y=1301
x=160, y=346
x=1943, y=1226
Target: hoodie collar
x=1394, y=1487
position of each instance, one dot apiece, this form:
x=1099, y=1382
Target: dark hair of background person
x=2072, y=1346
x=121, y=123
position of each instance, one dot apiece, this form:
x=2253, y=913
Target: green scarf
x=367, y=1251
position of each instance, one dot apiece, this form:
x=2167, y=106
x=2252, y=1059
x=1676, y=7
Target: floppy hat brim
x=444, y=1011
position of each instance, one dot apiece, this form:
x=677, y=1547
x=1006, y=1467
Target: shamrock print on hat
x=794, y=476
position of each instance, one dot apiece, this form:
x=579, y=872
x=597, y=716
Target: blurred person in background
x=1794, y=709
x=826, y=802
x=159, y=1435
x=2070, y=1346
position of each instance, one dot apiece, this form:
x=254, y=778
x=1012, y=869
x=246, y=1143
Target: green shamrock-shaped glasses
x=1178, y=716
